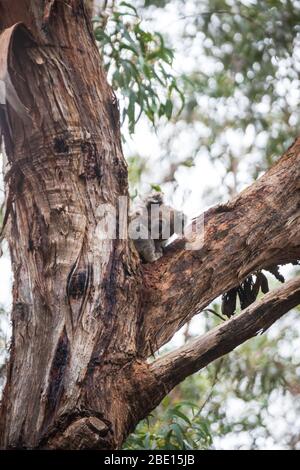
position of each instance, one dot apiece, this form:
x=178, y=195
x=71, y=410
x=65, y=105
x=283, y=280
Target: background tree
x=75, y=427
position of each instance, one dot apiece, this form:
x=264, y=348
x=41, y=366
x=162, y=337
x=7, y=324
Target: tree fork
x=86, y=315
x=256, y=229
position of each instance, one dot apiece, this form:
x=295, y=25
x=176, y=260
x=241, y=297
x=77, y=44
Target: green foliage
x=157, y=3
x=249, y=379
x=156, y=187
x=180, y=427
x=136, y=167
x=139, y=64
x=254, y=45
x=242, y=79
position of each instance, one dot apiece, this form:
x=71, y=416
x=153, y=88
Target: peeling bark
x=85, y=315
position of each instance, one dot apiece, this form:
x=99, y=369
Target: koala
x=151, y=226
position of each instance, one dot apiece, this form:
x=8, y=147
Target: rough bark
x=162, y=375
x=259, y=228
x=71, y=310
x=85, y=314
x=256, y=319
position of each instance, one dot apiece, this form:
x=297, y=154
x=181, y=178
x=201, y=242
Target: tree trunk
x=85, y=314
x=71, y=309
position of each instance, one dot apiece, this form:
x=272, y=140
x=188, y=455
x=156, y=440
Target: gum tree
x=86, y=313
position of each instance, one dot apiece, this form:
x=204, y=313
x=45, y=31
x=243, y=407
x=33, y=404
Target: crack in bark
x=93, y=366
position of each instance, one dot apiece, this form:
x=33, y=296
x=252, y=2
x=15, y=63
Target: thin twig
x=215, y=313
x=220, y=363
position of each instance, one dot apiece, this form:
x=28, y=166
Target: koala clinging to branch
x=151, y=225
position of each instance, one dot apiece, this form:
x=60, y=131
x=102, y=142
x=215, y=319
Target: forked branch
x=174, y=367
x=259, y=228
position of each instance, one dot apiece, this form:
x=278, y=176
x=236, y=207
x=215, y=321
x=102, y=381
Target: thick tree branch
x=258, y=228
x=77, y=375
x=174, y=367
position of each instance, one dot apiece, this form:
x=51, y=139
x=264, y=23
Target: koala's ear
x=155, y=198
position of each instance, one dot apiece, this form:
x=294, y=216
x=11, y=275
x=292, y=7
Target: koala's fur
x=165, y=222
